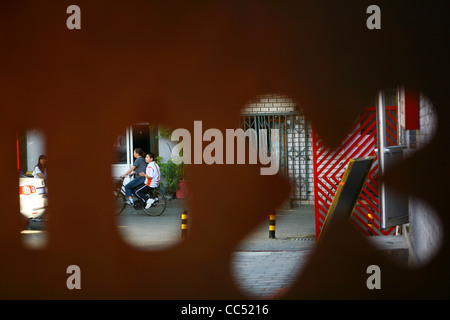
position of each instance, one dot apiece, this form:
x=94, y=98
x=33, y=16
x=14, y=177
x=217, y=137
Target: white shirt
x=37, y=170
x=154, y=174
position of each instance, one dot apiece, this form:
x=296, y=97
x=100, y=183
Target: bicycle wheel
x=159, y=205
x=120, y=202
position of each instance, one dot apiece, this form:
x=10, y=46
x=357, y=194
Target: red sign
x=409, y=109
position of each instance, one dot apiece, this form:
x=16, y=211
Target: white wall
x=35, y=147
x=165, y=147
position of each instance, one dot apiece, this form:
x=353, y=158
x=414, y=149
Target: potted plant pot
x=183, y=189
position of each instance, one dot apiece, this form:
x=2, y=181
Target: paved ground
x=263, y=267
x=266, y=268
x=267, y=274
x=294, y=229
x=151, y=233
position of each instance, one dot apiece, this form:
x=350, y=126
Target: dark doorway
x=141, y=137
x=145, y=136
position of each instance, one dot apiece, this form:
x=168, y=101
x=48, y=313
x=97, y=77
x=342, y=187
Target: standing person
x=137, y=168
x=40, y=170
x=152, y=177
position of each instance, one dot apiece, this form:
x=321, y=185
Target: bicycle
x=156, y=209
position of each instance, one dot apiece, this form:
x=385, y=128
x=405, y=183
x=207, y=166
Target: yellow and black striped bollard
x=272, y=219
x=184, y=223
x=370, y=224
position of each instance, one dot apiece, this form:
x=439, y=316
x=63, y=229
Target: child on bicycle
x=152, y=176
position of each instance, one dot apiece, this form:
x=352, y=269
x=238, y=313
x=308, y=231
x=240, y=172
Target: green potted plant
x=173, y=178
x=173, y=175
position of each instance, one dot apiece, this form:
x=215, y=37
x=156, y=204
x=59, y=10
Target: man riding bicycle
x=137, y=168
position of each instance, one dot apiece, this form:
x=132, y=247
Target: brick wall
x=271, y=103
x=425, y=226
x=428, y=121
